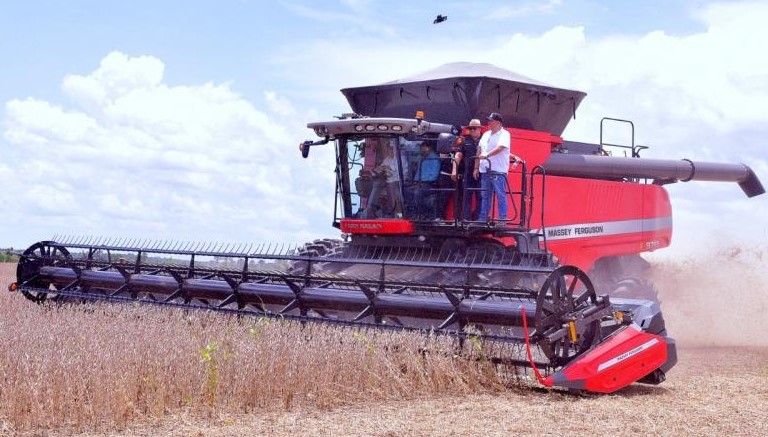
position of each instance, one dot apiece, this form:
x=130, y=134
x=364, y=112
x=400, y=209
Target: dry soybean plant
x=102, y=366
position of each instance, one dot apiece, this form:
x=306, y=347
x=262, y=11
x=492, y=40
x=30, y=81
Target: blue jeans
x=492, y=184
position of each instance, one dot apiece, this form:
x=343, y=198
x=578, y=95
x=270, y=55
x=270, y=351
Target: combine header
x=414, y=258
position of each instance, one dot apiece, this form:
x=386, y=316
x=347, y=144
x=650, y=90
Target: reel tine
x=205, y=246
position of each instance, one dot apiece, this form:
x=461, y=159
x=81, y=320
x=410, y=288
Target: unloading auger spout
x=662, y=171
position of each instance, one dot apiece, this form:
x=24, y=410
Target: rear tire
x=321, y=248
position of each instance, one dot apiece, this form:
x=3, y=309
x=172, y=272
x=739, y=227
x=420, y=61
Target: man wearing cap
x=494, y=165
x=464, y=165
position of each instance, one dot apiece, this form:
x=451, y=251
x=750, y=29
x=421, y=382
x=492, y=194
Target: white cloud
x=280, y=104
x=118, y=75
x=132, y=155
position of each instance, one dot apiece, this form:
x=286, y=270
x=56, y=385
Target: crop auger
x=413, y=259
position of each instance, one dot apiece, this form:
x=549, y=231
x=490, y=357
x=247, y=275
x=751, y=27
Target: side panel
x=585, y=220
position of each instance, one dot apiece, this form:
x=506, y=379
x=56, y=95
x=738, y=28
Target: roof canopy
x=457, y=92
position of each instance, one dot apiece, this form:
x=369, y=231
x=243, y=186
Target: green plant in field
x=208, y=355
x=476, y=343
x=7, y=256
x=359, y=336
x=255, y=329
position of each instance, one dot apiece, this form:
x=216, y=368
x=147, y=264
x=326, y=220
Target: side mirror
x=304, y=147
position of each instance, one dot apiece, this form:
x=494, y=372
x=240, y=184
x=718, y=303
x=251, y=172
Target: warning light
x=419, y=115
x=13, y=287
x=619, y=316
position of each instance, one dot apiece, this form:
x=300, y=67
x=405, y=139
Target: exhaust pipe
x=662, y=171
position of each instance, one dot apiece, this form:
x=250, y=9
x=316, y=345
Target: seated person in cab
x=420, y=194
x=386, y=178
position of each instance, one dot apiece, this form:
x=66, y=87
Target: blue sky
x=180, y=119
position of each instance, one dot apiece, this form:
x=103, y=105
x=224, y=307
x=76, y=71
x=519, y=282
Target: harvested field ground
x=105, y=370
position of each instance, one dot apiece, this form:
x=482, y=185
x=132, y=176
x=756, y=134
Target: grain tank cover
x=457, y=92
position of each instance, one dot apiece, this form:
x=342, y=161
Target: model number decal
x=370, y=226
x=653, y=244
x=625, y=355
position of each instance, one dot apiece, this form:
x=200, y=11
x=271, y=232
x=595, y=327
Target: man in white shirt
x=493, y=157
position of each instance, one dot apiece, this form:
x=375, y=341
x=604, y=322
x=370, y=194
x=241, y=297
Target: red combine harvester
x=415, y=257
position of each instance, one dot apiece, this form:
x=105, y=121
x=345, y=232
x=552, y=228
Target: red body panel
x=622, y=359
x=586, y=219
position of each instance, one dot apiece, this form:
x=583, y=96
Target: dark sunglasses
x=473, y=128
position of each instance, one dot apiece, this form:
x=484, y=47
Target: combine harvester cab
x=411, y=260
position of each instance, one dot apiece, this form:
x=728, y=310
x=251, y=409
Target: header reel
x=567, y=318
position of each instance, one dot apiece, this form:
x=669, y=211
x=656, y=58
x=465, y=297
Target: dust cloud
x=718, y=297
